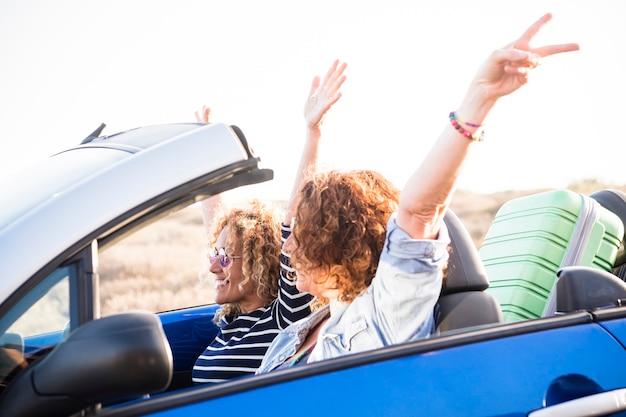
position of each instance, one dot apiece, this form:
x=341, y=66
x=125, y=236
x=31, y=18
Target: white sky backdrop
x=68, y=65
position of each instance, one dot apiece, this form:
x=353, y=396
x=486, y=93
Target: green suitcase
x=533, y=236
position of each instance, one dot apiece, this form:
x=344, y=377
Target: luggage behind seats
x=533, y=236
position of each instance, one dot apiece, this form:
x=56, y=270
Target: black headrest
x=615, y=201
x=465, y=271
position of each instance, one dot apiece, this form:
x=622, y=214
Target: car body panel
x=613, y=322
x=499, y=376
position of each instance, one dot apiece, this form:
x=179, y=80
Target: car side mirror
x=114, y=358
x=586, y=288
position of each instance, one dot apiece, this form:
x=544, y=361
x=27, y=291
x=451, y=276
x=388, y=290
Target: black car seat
x=463, y=302
x=615, y=201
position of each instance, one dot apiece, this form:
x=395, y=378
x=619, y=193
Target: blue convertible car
x=57, y=217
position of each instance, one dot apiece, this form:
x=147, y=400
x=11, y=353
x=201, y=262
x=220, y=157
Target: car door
x=56, y=305
x=64, y=230
x=506, y=370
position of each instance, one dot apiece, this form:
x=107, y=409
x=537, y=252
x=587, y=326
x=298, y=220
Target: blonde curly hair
x=340, y=227
x=255, y=228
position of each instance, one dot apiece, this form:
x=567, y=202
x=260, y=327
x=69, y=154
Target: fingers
x=334, y=79
x=339, y=83
x=204, y=116
x=521, y=62
x=556, y=49
x=333, y=99
x=515, y=57
x=523, y=42
x=530, y=33
x=522, y=73
x=314, y=86
x=324, y=94
x=329, y=87
x=335, y=72
x=331, y=71
x=519, y=57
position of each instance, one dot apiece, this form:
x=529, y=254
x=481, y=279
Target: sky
x=69, y=65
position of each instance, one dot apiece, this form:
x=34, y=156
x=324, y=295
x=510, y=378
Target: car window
x=35, y=324
x=49, y=313
x=156, y=268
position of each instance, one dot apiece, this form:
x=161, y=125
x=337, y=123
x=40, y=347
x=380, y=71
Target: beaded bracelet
x=463, y=122
x=455, y=123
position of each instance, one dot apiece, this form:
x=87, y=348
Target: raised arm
x=322, y=96
x=429, y=190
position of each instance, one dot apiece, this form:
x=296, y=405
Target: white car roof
x=76, y=193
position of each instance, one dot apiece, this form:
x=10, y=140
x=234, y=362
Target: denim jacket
x=396, y=308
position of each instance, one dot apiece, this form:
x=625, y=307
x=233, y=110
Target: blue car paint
x=33, y=344
x=507, y=376
x=617, y=328
x=476, y=375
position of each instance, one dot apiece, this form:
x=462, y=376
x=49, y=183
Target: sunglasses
x=225, y=259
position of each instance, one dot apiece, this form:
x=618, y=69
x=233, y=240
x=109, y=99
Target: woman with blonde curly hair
x=253, y=281
x=382, y=294
x=254, y=233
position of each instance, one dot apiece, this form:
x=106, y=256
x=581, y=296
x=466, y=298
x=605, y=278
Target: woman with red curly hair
x=252, y=276
x=341, y=224
x=381, y=288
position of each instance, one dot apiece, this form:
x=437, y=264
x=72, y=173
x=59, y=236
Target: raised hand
x=204, y=116
x=523, y=43
x=324, y=94
x=508, y=68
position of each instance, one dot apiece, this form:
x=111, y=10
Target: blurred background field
x=158, y=268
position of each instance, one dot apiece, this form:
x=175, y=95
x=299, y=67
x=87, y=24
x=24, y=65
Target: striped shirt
x=240, y=345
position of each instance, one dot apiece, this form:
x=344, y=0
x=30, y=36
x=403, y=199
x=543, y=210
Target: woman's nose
x=216, y=267
x=288, y=247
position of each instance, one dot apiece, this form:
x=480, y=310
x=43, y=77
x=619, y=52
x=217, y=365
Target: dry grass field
x=157, y=268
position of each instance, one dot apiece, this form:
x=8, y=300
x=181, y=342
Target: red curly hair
x=340, y=226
